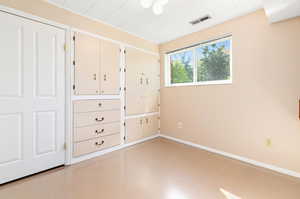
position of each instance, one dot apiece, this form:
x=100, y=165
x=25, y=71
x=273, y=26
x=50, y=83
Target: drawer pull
x=99, y=120
x=99, y=143
x=99, y=132
x=99, y=104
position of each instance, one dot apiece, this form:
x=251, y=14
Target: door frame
x=68, y=108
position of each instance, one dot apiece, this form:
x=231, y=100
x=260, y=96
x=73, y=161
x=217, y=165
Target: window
x=206, y=63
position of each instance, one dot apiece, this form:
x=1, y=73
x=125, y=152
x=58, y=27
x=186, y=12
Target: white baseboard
x=100, y=153
x=236, y=157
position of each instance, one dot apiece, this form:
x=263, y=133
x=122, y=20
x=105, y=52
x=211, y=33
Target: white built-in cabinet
x=96, y=125
x=141, y=127
x=142, y=82
x=142, y=94
x=116, y=88
x=97, y=66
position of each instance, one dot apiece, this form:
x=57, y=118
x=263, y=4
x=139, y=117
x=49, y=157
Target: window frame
x=193, y=48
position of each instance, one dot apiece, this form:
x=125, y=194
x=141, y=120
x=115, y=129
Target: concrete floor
x=157, y=169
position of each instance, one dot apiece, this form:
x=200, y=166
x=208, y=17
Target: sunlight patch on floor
x=229, y=195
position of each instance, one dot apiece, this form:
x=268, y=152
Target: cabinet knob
x=100, y=104
x=95, y=76
x=99, y=120
x=99, y=132
x=99, y=143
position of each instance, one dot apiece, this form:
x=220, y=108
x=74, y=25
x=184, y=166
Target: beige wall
x=48, y=11
x=261, y=103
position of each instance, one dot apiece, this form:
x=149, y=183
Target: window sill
x=222, y=82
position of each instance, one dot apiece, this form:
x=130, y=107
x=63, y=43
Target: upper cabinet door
x=87, y=65
x=152, y=71
x=110, y=68
x=135, y=81
x=135, y=72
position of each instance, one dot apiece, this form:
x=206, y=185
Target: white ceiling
x=130, y=16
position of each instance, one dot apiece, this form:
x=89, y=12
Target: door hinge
x=73, y=86
x=65, y=47
x=124, y=70
x=125, y=51
x=73, y=38
x=74, y=62
x=124, y=88
x=65, y=146
x=124, y=107
x=124, y=124
x=124, y=138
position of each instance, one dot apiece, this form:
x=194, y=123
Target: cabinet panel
x=96, y=118
x=134, y=130
x=151, y=70
x=134, y=102
x=87, y=65
x=95, y=105
x=150, y=125
x=110, y=68
x=89, y=132
x=151, y=101
x=134, y=69
x=142, y=82
x=97, y=144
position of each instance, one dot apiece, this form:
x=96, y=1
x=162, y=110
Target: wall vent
x=201, y=19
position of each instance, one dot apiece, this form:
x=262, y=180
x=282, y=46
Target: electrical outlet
x=268, y=142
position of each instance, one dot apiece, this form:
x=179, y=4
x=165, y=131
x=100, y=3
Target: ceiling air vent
x=200, y=20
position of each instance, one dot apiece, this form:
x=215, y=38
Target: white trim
x=167, y=66
x=236, y=157
x=100, y=153
x=99, y=21
x=94, y=97
x=141, y=115
x=33, y=17
x=68, y=94
x=219, y=82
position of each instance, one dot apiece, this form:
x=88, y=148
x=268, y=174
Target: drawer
x=96, y=118
x=85, y=133
x=95, y=105
x=97, y=144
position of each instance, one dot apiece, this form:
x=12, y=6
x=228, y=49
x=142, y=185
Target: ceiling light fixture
x=158, y=5
x=146, y=3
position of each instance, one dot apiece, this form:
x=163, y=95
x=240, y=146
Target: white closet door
x=32, y=97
